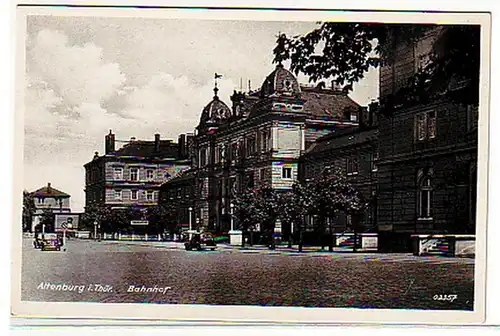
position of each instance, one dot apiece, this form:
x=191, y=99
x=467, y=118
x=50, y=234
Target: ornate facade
x=259, y=139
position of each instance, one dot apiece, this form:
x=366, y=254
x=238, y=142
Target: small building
x=131, y=176
x=49, y=198
x=178, y=193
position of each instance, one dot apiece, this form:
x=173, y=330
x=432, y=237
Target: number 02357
x=445, y=297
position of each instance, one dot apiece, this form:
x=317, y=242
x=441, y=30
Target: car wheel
x=212, y=249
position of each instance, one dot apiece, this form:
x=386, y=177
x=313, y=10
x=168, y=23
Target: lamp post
x=43, y=229
x=95, y=230
x=64, y=225
x=190, y=218
x=232, y=218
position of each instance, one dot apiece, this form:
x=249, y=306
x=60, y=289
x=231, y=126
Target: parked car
x=201, y=241
x=51, y=242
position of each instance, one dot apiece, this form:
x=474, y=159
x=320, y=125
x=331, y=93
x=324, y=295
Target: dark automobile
x=200, y=241
x=51, y=242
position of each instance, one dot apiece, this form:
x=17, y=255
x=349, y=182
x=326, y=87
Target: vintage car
x=51, y=242
x=200, y=241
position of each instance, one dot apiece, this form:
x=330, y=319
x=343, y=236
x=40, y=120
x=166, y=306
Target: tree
x=293, y=206
x=256, y=205
x=161, y=218
x=344, y=52
x=331, y=194
x=28, y=210
x=47, y=220
x=109, y=220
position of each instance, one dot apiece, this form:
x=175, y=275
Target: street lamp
x=95, y=230
x=232, y=219
x=190, y=218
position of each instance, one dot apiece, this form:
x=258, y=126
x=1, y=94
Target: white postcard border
x=255, y=313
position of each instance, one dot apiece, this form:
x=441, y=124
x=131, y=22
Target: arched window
x=424, y=197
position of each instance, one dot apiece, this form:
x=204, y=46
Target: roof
x=215, y=111
x=49, y=191
x=280, y=81
x=343, y=138
x=181, y=176
x=328, y=104
x=142, y=148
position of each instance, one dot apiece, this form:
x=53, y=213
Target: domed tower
x=280, y=82
x=280, y=93
x=213, y=113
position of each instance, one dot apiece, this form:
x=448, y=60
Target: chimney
x=373, y=110
x=109, y=143
x=336, y=87
x=182, y=146
x=157, y=142
x=49, y=188
x=362, y=117
x=132, y=139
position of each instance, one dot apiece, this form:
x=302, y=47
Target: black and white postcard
x=250, y=165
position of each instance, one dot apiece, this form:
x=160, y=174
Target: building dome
x=215, y=111
x=280, y=82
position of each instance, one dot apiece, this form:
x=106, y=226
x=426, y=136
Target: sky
x=136, y=76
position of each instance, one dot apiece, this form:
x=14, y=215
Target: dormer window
x=354, y=117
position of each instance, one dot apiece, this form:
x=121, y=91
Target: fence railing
x=133, y=237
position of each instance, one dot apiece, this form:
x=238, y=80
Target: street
x=121, y=272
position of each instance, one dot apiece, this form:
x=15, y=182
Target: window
x=118, y=173
x=431, y=125
x=150, y=174
x=265, y=140
x=232, y=186
x=203, y=157
x=354, y=117
x=134, y=174
x=179, y=192
x=424, y=198
x=250, y=146
x=149, y=196
x=234, y=151
x=420, y=126
x=220, y=154
x=262, y=174
x=425, y=126
x=286, y=172
x=352, y=166
x=216, y=155
x=250, y=180
x=41, y=200
x=472, y=117
x=118, y=194
x=374, y=161
x=134, y=195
